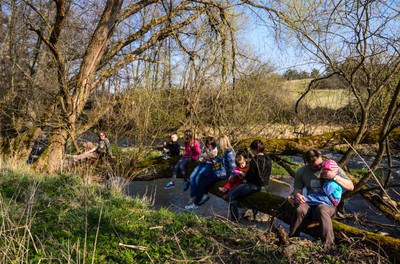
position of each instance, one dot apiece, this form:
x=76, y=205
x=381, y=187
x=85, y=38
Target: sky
x=283, y=56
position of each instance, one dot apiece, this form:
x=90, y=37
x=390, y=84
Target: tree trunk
x=52, y=157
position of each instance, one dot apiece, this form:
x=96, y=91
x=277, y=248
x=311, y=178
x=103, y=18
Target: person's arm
x=231, y=165
x=298, y=186
x=298, y=196
x=341, y=178
x=196, y=148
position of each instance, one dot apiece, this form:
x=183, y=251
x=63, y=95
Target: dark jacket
x=259, y=171
x=173, y=148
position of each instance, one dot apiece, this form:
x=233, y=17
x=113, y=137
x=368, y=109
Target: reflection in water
x=175, y=199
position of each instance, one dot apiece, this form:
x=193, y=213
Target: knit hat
x=330, y=165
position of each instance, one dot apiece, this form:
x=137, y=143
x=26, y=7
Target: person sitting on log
x=227, y=166
x=257, y=177
x=204, y=167
x=171, y=148
x=94, y=151
x=192, y=151
x=242, y=167
x=330, y=194
x=308, y=176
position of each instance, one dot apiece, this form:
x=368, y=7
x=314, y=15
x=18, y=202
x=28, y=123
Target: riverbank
x=67, y=218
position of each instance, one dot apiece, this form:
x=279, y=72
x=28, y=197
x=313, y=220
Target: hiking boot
x=191, y=206
x=204, y=199
x=169, y=185
x=185, y=185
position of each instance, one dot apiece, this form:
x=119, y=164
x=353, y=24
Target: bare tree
x=88, y=52
x=356, y=40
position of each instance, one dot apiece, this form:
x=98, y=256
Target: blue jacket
x=227, y=164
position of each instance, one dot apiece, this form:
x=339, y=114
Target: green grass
x=62, y=219
x=331, y=98
x=73, y=222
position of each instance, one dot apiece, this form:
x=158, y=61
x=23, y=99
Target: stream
x=367, y=215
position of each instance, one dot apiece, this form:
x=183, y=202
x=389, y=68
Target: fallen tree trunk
x=274, y=205
x=270, y=203
x=280, y=208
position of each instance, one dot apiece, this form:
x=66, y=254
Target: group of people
x=318, y=185
x=242, y=178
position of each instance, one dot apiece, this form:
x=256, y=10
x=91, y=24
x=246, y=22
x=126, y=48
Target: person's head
x=102, y=135
x=174, y=137
x=257, y=146
x=210, y=143
x=314, y=159
x=188, y=132
x=224, y=143
x=188, y=139
x=330, y=165
x=240, y=161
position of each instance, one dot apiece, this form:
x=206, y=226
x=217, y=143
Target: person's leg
x=230, y=183
x=89, y=146
x=182, y=167
x=204, y=182
x=298, y=219
x=84, y=156
x=194, y=178
x=325, y=214
x=238, y=181
x=176, y=168
x=240, y=191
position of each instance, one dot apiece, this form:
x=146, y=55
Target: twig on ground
x=142, y=248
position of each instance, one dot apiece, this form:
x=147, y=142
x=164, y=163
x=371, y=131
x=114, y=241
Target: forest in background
x=142, y=69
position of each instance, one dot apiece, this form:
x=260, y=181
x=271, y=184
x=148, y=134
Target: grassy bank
x=67, y=219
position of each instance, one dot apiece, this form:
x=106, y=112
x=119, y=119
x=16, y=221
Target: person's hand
x=328, y=175
x=300, y=198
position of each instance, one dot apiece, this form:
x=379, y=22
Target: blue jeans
x=203, y=168
x=181, y=165
x=240, y=191
x=205, y=181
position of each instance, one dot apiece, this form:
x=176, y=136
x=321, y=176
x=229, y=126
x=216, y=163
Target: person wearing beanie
x=317, y=177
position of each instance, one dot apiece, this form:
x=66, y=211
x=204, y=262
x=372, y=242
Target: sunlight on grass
x=330, y=98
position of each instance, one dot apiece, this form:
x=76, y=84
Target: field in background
x=334, y=99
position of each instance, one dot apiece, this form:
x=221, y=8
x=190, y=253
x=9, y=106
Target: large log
x=273, y=204
x=276, y=206
x=280, y=208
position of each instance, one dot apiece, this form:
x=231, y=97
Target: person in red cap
x=310, y=177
